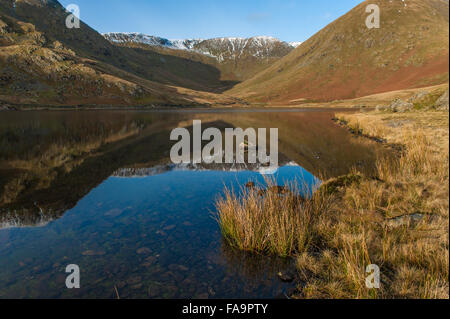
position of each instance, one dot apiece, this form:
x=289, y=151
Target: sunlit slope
x=43, y=62
x=347, y=60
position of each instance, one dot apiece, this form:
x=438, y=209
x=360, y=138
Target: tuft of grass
x=398, y=221
x=271, y=221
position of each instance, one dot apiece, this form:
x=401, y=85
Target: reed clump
x=276, y=220
x=397, y=220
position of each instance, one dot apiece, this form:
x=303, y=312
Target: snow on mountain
x=224, y=49
x=295, y=44
x=220, y=48
x=150, y=40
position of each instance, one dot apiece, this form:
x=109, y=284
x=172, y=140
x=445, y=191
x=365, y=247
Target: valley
x=112, y=148
x=43, y=64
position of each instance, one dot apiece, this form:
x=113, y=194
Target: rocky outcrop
x=400, y=106
x=405, y=220
x=423, y=100
x=442, y=102
x=418, y=96
x=397, y=106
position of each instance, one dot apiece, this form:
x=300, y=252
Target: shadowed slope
x=237, y=59
x=43, y=62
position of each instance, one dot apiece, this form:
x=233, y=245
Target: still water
x=97, y=189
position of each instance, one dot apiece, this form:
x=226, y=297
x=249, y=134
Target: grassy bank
x=398, y=220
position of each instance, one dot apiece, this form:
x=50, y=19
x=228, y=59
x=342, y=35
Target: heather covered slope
x=347, y=60
x=43, y=62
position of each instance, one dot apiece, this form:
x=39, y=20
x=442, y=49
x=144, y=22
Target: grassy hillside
x=347, y=60
x=43, y=62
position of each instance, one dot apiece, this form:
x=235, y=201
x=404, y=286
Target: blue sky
x=288, y=20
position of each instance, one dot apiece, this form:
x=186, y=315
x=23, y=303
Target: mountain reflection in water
x=101, y=192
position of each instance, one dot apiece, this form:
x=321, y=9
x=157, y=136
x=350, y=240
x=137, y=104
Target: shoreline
x=396, y=220
x=190, y=110
x=366, y=103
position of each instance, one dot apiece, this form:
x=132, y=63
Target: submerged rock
x=151, y=260
x=93, y=253
x=288, y=294
x=134, y=280
x=144, y=251
x=154, y=290
x=286, y=276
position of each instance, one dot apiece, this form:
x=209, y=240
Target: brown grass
x=275, y=222
x=336, y=234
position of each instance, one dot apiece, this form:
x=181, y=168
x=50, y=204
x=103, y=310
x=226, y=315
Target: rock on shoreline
x=442, y=102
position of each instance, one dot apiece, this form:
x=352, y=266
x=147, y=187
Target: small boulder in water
x=93, y=253
x=286, y=276
x=250, y=185
x=143, y=251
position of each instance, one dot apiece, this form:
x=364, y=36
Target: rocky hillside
x=237, y=58
x=347, y=60
x=43, y=62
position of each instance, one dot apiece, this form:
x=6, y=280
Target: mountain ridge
x=42, y=62
x=237, y=59
x=186, y=44
x=346, y=60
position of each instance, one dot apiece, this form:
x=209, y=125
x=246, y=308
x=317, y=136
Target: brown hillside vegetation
x=347, y=60
x=43, y=62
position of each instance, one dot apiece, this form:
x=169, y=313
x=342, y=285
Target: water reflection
x=50, y=160
x=254, y=267
x=104, y=195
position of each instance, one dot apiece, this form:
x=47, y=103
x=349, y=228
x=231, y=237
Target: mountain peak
x=295, y=44
x=347, y=60
x=221, y=48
